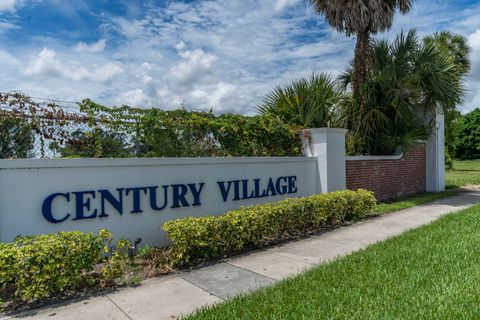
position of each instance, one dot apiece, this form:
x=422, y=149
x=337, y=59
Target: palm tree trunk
x=360, y=67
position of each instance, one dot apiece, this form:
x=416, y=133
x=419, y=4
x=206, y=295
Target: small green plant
x=118, y=263
x=203, y=238
x=145, y=252
x=114, y=268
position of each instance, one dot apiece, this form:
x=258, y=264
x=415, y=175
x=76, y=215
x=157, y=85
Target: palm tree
x=455, y=48
x=306, y=102
x=362, y=18
x=407, y=78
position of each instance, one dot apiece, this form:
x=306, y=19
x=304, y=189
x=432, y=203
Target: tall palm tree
x=362, y=18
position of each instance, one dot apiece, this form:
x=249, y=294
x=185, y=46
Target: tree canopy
x=468, y=136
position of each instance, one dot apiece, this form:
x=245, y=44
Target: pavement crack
x=248, y=270
x=116, y=305
x=196, y=285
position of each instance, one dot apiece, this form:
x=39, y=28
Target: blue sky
x=220, y=54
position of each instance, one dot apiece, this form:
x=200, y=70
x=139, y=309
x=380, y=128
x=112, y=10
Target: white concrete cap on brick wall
x=328, y=146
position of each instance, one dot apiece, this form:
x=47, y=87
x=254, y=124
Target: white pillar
x=328, y=146
x=435, y=155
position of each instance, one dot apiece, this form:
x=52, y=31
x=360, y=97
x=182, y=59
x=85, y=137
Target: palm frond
x=305, y=102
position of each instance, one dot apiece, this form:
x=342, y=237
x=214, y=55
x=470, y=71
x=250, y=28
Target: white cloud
x=194, y=67
x=47, y=65
x=4, y=26
x=11, y=6
x=8, y=5
x=180, y=46
x=281, y=5
x=95, y=47
x=472, y=99
x=474, y=42
x=221, y=93
x=135, y=97
x=8, y=59
x=225, y=55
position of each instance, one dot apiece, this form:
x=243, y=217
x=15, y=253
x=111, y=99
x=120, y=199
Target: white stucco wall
x=25, y=184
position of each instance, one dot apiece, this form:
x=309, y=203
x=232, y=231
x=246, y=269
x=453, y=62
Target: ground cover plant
x=464, y=173
x=427, y=273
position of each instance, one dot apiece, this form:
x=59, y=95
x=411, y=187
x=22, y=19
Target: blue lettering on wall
x=153, y=198
x=281, y=188
x=117, y=203
x=273, y=187
x=224, y=190
x=92, y=204
x=179, y=193
x=245, y=194
x=83, y=205
x=196, y=193
x=136, y=198
x=47, y=207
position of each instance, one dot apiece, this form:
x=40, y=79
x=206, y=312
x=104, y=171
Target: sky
x=224, y=55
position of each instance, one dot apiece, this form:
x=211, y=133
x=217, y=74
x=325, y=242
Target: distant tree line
x=467, y=136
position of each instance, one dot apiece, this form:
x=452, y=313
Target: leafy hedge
x=182, y=133
x=36, y=267
x=203, y=238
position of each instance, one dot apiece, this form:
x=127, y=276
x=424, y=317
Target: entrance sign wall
x=134, y=197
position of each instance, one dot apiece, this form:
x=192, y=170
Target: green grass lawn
x=465, y=172
x=429, y=273
x=409, y=202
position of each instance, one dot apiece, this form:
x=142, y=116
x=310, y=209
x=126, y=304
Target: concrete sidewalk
x=178, y=294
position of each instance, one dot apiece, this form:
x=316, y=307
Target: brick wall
x=389, y=178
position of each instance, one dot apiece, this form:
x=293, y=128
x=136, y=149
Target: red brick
x=389, y=179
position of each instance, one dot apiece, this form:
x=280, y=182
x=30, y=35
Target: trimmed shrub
x=37, y=267
x=203, y=238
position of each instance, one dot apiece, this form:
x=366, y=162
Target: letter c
x=47, y=207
